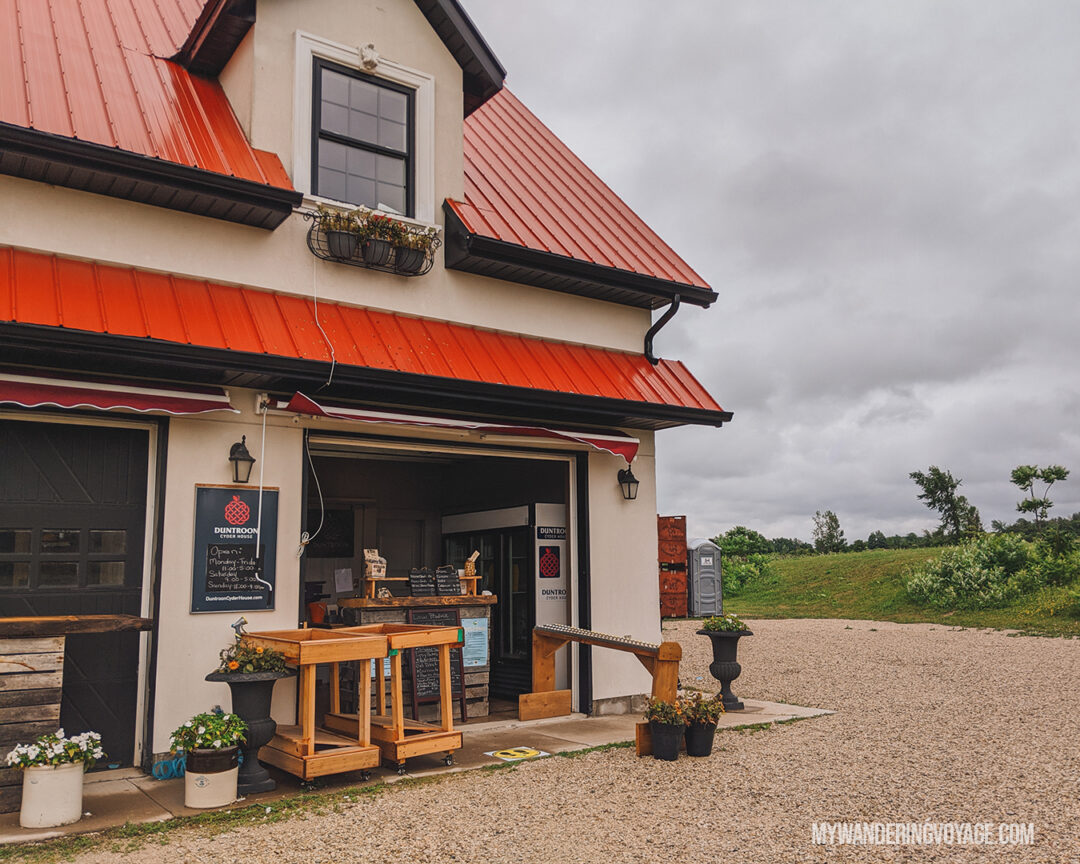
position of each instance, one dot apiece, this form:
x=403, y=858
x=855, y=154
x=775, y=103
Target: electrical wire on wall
x=258, y=523
x=305, y=537
x=333, y=353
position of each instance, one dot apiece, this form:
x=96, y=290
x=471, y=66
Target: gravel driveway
x=933, y=724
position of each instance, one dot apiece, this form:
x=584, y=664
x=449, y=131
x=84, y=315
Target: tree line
x=938, y=490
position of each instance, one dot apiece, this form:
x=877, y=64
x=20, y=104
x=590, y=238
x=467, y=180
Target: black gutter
x=461, y=244
x=667, y=316
x=55, y=347
x=64, y=161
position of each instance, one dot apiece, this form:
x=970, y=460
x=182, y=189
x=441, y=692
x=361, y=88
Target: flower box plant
x=667, y=723
x=342, y=232
x=411, y=252
x=211, y=744
x=729, y=623
x=702, y=714
x=53, y=769
x=379, y=235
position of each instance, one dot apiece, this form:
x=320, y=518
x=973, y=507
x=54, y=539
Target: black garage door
x=72, y=525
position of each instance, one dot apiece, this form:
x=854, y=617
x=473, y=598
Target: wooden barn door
x=72, y=525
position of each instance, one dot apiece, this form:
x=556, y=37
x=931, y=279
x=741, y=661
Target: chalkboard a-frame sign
x=225, y=573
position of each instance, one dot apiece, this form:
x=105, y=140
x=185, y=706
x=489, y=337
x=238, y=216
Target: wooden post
x=307, y=709
x=446, y=698
x=380, y=694
x=335, y=689
x=396, y=707
x=363, y=701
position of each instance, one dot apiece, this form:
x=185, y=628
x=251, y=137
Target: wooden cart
x=397, y=736
x=304, y=750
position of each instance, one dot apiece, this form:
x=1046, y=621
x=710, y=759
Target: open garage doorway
x=423, y=506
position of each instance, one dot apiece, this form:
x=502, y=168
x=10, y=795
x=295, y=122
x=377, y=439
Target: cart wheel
x=401, y=769
x=448, y=759
x=365, y=776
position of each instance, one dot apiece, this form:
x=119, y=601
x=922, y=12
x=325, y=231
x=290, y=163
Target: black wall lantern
x=241, y=461
x=629, y=484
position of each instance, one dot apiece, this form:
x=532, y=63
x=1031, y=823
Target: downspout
x=667, y=316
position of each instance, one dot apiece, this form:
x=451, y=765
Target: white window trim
x=308, y=47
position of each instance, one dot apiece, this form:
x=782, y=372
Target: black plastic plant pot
x=211, y=761
x=725, y=667
x=251, y=695
x=408, y=260
x=377, y=251
x=342, y=244
x=699, y=739
x=666, y=740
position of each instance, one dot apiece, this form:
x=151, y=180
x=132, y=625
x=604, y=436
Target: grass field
x=870, y=585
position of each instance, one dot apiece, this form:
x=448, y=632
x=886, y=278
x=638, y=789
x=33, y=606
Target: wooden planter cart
x=398, y=737
x=305, y=751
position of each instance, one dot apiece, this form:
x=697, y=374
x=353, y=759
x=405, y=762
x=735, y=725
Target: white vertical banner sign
x=552, y=569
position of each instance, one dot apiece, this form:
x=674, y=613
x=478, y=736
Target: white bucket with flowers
x=53, y=768
x=211, y=744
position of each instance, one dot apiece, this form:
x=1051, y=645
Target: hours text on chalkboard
x=447, y=582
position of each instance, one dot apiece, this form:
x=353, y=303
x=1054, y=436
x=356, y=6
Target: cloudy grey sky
x=886, y=197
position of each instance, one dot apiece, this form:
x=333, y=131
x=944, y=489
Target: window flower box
x=363, y=238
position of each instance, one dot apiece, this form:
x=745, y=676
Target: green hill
x=870, y=585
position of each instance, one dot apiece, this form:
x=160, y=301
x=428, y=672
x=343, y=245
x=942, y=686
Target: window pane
x=390, y=170
x=333, y=156
x=105, y=573
x=363, y=126
x=14, y=574
x=333, y=184
x=361, y=191
x=54, y=573
x=335, y=87
x=335, y=118
x=391, y=198
x=59, y=540
x=392, y=135
x=15, y=540
x=393, y=105
x=364, y=96
x=111, y=542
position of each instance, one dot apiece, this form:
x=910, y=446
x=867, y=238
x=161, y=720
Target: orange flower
x=233, y=664
x=259, y=650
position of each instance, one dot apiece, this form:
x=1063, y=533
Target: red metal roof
x=524, y=186
x=94, y=70
x=61, y=292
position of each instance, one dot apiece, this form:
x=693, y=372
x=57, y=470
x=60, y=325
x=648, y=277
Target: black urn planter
x=251, y=695
x=377, y=251
x=699, y=739
x=666, y=740
x=725, y=668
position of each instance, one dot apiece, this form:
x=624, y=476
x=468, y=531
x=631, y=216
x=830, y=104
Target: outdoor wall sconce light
x=629, y=484
x=241, y=461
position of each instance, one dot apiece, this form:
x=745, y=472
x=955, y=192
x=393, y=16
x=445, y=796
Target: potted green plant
x=379, y=235
x=251, y=673
x=211, y=743
x=667, y=723
x=53, y=768
x=702, y=714
x=342, y=232
x=411, y=252
x=724, y=631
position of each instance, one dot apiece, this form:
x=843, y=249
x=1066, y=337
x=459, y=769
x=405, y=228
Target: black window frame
x=318, y=133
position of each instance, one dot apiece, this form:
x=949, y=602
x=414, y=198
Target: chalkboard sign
x=422, y=583
x=424, y=663
x=447, y=582
x=225, y=569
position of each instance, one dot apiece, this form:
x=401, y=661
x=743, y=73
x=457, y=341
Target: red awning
x=30, y=391
x=612, y=442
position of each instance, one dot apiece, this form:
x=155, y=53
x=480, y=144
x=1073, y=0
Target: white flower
x=217, y=742
x=33, y=751
x=98, y=753
x=201, y=730
x=59, y=733
x=188, y=724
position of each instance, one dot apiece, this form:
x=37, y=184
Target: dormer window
x=362, y=140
